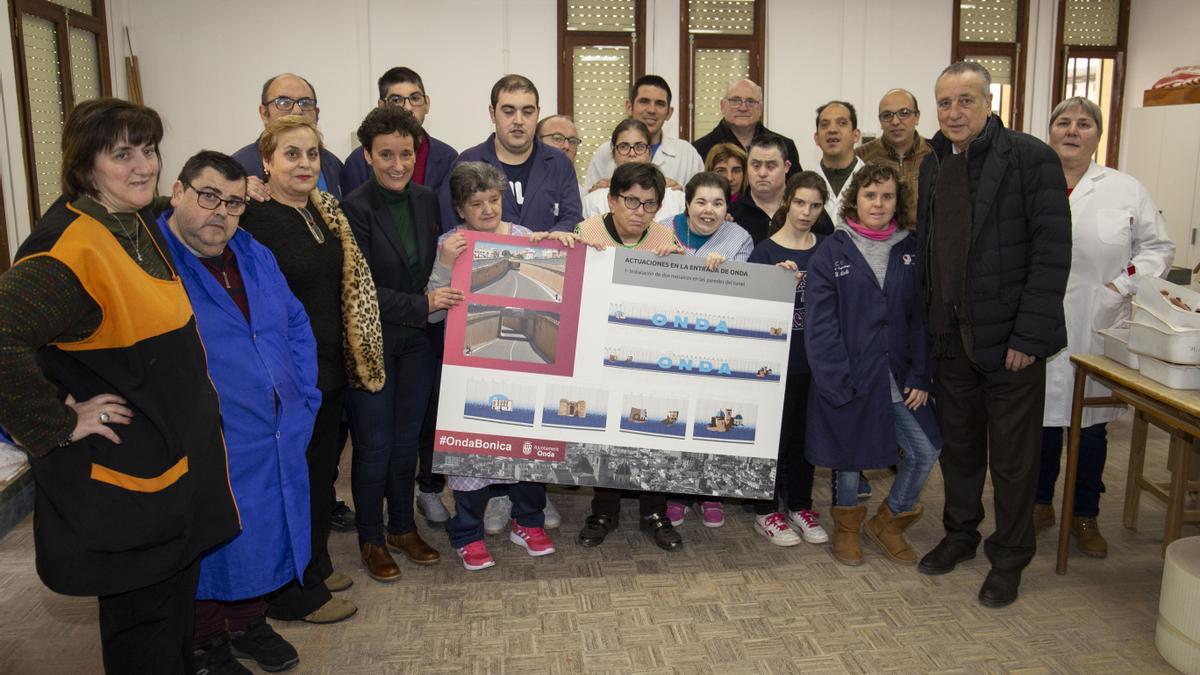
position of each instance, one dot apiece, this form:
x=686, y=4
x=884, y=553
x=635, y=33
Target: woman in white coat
x=1117, y=232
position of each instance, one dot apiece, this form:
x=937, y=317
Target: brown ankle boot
x=1043, y=517
x=846, y=522
x=1088, y=537
x=886, y=529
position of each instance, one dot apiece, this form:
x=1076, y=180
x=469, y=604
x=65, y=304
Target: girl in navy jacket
x=871, y=367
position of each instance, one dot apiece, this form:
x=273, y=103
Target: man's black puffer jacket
x=1020, y=253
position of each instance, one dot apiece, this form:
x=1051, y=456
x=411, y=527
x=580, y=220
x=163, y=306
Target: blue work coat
x=265, y=374
x=855, y=333
x=551, y=196
x=356, y=171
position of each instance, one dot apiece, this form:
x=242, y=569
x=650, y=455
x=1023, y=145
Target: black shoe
x=596, y=528
x=342, y=519
x=1000, y=588
x=945, y=557
x=215, y=658
x=662, y=532
x=260, y=642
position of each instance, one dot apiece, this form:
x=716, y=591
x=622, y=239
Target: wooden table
x=1176, y=411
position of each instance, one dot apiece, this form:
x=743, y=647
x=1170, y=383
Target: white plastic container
x=1170, y=374
x=1116, y=347
x=1150, y=297
x=1180, y=347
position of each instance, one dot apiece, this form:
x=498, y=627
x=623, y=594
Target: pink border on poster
x=567, y=309
x=491, y=445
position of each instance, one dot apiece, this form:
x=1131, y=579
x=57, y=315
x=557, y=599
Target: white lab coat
x=674, y=203
x=834, y=206
x=1114, y=222
x=676, y=158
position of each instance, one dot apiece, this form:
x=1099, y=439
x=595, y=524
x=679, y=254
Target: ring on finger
x=104, y=418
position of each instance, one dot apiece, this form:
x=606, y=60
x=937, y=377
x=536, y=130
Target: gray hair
x=964, y=67
x=1089, y=106
x=470, y=177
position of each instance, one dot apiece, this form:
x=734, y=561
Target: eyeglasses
x=632, y=148
x=559, y=139
x=286, y=103
x=414, y=100
x=738, y=101
x=632, y=203
x=903, y=113
x=211, y=200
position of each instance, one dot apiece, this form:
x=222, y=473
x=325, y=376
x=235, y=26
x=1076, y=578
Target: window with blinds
x=1090, y=58
x=993, y=34
x=55, y=74
x=602, y=54
x=722, y=41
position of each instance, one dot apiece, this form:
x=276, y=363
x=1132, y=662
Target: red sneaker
x=532, y=539
x=475, y=556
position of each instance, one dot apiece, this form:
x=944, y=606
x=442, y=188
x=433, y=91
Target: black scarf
x=950, y=241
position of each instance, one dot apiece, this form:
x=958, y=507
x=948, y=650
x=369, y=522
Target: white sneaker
x=805, y=522
x=553, y=519
x=430, y=505
x=497, y=515
x=774, y=527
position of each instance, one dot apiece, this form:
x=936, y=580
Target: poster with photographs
x=613, y=368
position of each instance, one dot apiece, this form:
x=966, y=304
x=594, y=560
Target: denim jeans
x=528, y=504
x=919, y=457
x=385, y=428
x=1093, y=452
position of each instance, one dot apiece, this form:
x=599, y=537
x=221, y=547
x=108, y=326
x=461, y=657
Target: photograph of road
x=511, y=334
x=525, y=272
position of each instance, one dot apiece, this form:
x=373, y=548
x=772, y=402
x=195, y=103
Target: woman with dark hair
x=871, y=367
x=317, y=253
x=108, y=391
x=396, y=223
x=631, y=145
x=791, y=246
x=728, y=161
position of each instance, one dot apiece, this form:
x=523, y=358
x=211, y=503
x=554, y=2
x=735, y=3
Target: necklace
x=136, y=237
x=315, y=231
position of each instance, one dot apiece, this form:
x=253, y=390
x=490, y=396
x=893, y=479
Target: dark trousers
x=386, y=427
x=607, y=502
x=793, y=473
x=1089, y=483
x=296, y=601
x=149, y=630
x=991, y=419
x=427, y=480
x=528, y=502
x=215, y=617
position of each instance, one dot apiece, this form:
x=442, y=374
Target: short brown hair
x=269, y=139
x=723, y=152
x=870, y=175
x=804, y=179
x=96, y=126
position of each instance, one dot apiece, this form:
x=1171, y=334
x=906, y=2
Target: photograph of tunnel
x=511, y=334
x=512, y=271
x=575, y=407
x=725, y=420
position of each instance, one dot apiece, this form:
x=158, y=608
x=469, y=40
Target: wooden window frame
x=1063, y=53
x=569, y=40
x=63, y=19
x=755, y=43
x=1016, y=51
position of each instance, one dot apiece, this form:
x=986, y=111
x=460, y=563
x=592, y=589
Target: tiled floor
x=728, y=603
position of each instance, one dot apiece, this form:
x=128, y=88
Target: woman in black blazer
x=395, y=222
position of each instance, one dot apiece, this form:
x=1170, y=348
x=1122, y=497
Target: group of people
x=185, y=370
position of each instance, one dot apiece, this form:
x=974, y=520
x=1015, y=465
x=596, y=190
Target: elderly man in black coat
x=995, y=231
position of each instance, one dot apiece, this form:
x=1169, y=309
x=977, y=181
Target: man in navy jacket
x=403, y=87
x=289, y=94
x=542, y=190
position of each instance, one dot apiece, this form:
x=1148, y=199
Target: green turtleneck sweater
x=399, y=204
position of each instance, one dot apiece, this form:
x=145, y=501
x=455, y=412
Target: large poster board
x=615, y=368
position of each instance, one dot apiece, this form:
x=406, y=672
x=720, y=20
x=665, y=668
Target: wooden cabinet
x=1163, y=152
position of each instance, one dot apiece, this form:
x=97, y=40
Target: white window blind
x=987, y=21
x=602, y=78
x=85, y=65
x=1092, y=23
x=715, y=69
x=45, y=105
x=82, y=6
x=601, y=15
x=721, y=17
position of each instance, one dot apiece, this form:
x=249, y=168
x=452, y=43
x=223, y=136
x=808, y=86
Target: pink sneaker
x=712, y=512
x=532, y=539
x=675, y=513
x=475, y=556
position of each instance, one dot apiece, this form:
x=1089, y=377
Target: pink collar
x=875, y=235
